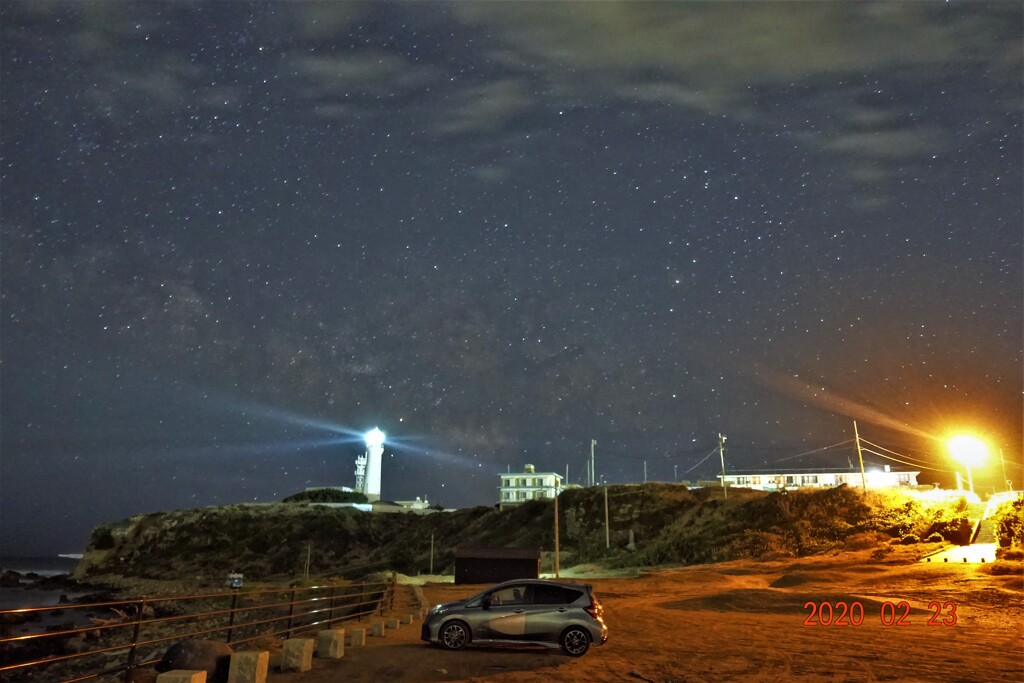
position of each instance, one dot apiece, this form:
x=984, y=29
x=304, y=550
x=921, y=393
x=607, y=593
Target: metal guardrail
x=136, y=628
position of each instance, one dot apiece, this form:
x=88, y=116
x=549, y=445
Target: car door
x=505, y=619
x=549, y=612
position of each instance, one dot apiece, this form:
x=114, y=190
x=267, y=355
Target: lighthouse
x=368, y=465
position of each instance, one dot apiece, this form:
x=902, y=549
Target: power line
x=667, y=456
x=902, y=462
x=889, y=450
x=816, y=450
x=710, y=454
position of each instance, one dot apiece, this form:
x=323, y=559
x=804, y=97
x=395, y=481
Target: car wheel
x=575, y=641
x=454, y=635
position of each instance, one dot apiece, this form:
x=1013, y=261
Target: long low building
x=777, y=480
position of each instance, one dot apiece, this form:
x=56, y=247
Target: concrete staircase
x=986, y=532
x=984, y=528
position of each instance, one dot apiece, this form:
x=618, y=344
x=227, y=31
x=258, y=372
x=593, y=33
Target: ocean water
x=15, y=598
x=44, y=566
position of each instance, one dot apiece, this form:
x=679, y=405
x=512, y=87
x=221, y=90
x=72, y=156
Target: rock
x=10, y=579
x=211, y=656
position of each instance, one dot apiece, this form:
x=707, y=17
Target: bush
x=1009, y=519
x=1004, y=568
x=910, y=539
x=757, y=544
x=934, y=538
x=865, y=540
x=881, y=553
x=102, y=539
x=1016, y=554
x=955, y=530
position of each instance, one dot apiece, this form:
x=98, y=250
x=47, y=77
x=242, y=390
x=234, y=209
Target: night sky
x=237, y=235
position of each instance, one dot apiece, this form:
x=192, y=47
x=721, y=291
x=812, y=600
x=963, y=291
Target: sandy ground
x=744, y=621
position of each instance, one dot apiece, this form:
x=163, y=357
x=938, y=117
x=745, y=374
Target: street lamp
x=968, y=450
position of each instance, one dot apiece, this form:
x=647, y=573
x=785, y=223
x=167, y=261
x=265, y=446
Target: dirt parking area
x=747, y=621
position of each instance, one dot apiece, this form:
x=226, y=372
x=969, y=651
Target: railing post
x=359, y=603
x=231, y=615
x=330, y=611
x=291, y=613
x=135, y=639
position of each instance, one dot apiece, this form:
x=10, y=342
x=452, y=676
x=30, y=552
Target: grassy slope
x=668, y=524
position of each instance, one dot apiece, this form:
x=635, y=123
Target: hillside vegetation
x=649, y=524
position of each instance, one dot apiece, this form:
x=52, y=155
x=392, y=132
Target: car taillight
x=592, y=611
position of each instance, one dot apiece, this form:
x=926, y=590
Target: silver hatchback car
x=521, y=612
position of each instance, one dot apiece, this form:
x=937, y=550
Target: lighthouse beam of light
x=339, y=434
x=404, y=444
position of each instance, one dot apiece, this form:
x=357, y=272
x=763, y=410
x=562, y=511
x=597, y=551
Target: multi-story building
x=519, y=487
x=774, y=480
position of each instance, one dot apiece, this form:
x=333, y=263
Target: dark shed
x=494, y=565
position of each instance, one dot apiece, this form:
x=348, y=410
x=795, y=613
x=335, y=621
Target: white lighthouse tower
x=368, y=465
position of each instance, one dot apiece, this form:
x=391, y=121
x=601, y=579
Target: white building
x=775, y=480
x=519, y=487
x=368, y=465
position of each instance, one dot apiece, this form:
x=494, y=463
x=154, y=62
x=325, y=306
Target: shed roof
x=498, y=553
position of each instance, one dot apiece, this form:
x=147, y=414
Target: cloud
x=326, y=20
x=362, y=78
x=491, y=173
x=489, y=106
x=735, y=59
x=734, y=45
x=894, y=145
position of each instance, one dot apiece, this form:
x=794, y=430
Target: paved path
x=971, y=554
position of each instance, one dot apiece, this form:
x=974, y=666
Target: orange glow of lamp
x=967, y=450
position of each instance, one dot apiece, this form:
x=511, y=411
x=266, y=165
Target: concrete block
x=330, y=643
x=407, y=618
x=297, y=654
x=377, y=629
x=249, y=667
x=391, y=622
x=181, y=676
x=356, y=636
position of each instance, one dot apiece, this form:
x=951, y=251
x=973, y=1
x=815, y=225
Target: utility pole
x=1009, y=484
x=593, y=474
x=860, y=456
x=607, y=533
x=431, y=554
x=556, y=531
x=645, y=471
x=675, y=473
x=721, y=455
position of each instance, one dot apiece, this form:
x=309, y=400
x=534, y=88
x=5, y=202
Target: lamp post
x=967, y=450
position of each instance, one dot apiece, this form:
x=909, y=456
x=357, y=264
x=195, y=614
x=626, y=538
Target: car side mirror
x=486, y=602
